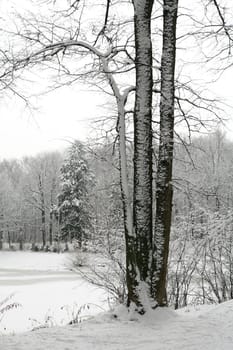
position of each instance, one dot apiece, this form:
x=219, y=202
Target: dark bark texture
x=43, y=210
x=131, y=273
x=165, y=158
x=142, y=210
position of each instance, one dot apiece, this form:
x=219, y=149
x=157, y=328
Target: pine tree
x=73, y=200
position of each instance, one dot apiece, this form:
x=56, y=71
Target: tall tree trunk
x=164, y=170
x=21, y=238
x=51, y=228
x=51, y=214
x=43, y=227
x=42, y=209
x=1, y=240
x=121, y=99
x=1, y=231
x=142, y=211
x=127, y=209
x=9, y=238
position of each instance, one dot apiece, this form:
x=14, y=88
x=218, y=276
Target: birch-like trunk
x=164, y=173
x=131, y=274
x=142, y=211
x=121, y=99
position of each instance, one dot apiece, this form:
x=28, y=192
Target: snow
x=48, y=292
x=161, y=329
x=32, y=261
x=200, y=328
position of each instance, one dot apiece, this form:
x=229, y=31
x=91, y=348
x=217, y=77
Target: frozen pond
x=47, y=291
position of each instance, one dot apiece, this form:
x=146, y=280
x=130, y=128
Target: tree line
x=54, y=197
x=75, y=195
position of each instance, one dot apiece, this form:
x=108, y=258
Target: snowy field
x=48, y=292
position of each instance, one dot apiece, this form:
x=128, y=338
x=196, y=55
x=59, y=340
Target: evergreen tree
x=73, y=200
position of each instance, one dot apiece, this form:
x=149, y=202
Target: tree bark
x=131, y=270
x=51, y=214
x=50, y=228
x=43, y=209
x=164, y=169
x=142, y=211
x=121, y=99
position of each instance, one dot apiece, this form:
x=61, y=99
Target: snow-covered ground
x=47, y=291
x=160, y=330
x=199, y=328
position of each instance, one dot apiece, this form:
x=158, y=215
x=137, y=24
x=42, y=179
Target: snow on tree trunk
x=51, y=213
x=121, y=98
x=42, y=209
x=127, y=209
x=165, y=158
x=142, y=211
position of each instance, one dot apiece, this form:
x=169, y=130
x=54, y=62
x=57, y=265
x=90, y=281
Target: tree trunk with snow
x=121, y=99
x=51, y=213
x=165, y=158
x=127, y=208
x=42, y=210
x=142, y=211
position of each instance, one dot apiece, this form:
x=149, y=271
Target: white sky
x=223, y=88
x=60, y=116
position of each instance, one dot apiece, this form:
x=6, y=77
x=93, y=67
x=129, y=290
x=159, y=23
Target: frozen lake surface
x=48, y=292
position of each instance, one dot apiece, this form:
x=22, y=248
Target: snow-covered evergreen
x=73, y=200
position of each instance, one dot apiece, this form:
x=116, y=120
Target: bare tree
x=103, y=61
x=103, y=58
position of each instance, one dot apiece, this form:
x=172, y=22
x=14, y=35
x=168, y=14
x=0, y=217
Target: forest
x=153, y=188
x=122, y=238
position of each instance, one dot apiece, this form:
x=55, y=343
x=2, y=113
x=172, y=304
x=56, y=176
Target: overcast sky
x=55, y=119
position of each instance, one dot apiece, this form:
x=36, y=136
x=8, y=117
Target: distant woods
x=58, y=197
x=75, y=197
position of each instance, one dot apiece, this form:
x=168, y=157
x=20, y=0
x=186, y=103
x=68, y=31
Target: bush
x=201, y=268
x=106, y=271
x=6, y=305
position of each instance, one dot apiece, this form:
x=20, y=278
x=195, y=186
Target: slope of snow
x=162, y=329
